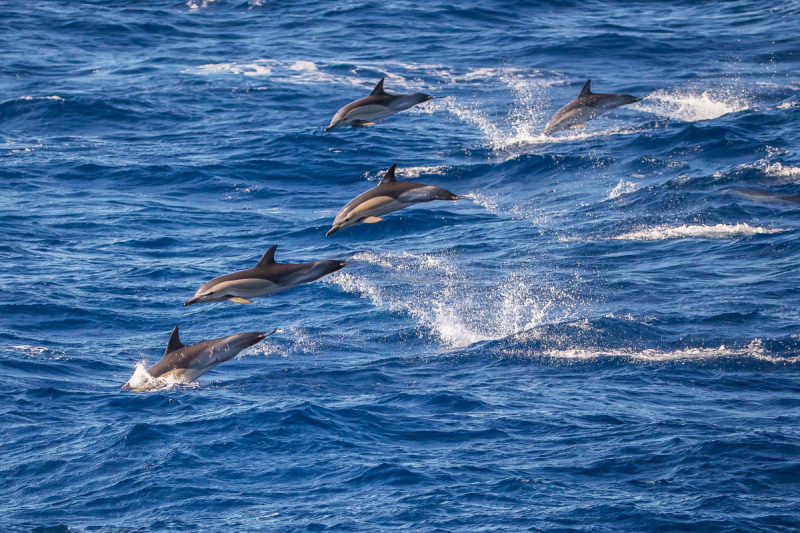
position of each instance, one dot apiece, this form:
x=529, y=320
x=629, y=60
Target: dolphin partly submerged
x=390, y=195
x=587, y=106
x=266, y=278
x=379, y=104
x=187, y=363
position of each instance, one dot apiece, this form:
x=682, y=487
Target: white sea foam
x=31, y=350
x=52, y=97
x=719, y=231
x=415, y=172
x=623, y=187
x=202, y=4
x=450, y=303
x=693, y=105
x=303, y=65
x=407, y=172
x=754, y=349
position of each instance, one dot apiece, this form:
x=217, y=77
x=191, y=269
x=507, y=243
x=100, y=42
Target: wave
x=719, y=231
x=776, y=169
x=452, y=305
x=693, y=105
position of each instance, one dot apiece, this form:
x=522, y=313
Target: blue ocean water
x=602, y=337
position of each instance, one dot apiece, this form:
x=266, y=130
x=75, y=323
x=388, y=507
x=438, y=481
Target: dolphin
x=187, y=363
x=766, y=196
x=379, y=104
x=587, y=106
x=265, y=279
x=390, y=195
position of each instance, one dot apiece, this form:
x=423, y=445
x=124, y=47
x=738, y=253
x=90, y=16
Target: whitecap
x=623, y=187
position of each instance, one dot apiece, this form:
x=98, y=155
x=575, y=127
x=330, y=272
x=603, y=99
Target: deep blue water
x=603, y=337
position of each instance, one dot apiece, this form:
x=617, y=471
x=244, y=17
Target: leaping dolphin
x=587, y=106
x=379, y=104
x=265, y=279
x=187, y=363
x=390, y=195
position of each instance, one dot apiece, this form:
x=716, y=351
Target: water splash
x=453, y=305
x=141, y=380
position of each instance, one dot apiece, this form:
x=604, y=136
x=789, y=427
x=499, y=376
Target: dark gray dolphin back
x=268, y=258
x=587, y=97
x=586, y=91
x=177, y=355
x=378, y=90
x=389, y=186
x=389, y=177
x=174, y=342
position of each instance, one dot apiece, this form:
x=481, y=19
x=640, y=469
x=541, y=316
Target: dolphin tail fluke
x=239, y=300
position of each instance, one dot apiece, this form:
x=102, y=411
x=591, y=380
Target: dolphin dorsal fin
x=586, y=91
x=174, y=342
x=378, y=90
x=389, y=176
x=269, y=257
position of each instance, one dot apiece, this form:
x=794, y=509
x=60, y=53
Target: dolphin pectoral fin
x=371, y=220
x=361, y=123
x=239, y=300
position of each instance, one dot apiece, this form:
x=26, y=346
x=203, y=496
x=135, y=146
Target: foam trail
x=753, y=349
x=719, y=231
x=693, y=106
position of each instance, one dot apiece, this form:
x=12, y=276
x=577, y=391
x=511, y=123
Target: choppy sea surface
x=603, y=336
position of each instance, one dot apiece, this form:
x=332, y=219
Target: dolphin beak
x=333, y=126
x=190, y=302
x=333, y=230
